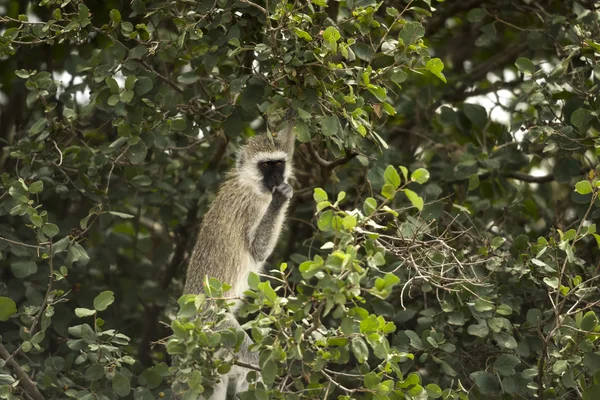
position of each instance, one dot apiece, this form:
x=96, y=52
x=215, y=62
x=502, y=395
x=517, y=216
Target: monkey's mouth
x=270, y=185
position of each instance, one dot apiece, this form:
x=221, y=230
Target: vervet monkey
x=241, y=229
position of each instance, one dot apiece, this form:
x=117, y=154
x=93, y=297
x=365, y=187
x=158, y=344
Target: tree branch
x=160, y=76
x=330, y=164
x=520, y=176
x=24, y=380
x=21, y=243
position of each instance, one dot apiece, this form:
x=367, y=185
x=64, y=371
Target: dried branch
x=25, y=381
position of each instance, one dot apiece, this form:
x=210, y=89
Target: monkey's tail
x=287, y=129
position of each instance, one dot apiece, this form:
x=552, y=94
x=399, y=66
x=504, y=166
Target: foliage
x=436, y=248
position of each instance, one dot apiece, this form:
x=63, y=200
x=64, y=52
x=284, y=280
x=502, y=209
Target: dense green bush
x=441, y=242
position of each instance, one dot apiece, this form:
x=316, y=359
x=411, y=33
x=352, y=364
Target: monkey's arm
x=267, y=231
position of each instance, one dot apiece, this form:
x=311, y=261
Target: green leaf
x=552, y=282
x=36, y=187
x=120, y=385
x=50, y=230
x=320, y=195
x=143, y=85
x=121, y=215
x=187, y=78
x=113, y=100
x=37, y=220
x=38, y=127
x=391, y=176
x=302, y=131
x=404, y=171
x=388, y=191
x=420, y=176
x=411, y=32
x=434, y=391
x=349, y=222
x=329, y=125
x=560, y=367
x=103, y=300
x=504, y=309
x=305, y=115
x=497, y=242
x=378, y=92
x=130, y=82
x=324, y=222
x=303, y=34
x=436, y=66
x=331, y=34
x=22, y=269
x=370, y=205
x=253, y=280
x=505, y=364
x=95, y=372
x=360, y=349
x=589, y=321
x=388, y=108
x=267, y=290
x=525, y=65
x=399, y=76
x=112, y=84
x=487, y=382
x=473, y=182
x=126, y=96
x=477, y=114
x=505, y=340
x=115, y=16
x=138, y=52
x=583, y=187
x=581, y=117
x=591, y=393
x=481, y=329
x=371, y=380
x=482, y=305
x=137, y=153
x=84, y=312
x=414, y=199
x=77, y=254
x=269, y=372
x=24, y=74
x=7, y=308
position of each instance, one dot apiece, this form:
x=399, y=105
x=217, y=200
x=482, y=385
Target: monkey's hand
x=283, y=192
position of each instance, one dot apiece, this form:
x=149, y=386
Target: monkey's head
x=265, y=162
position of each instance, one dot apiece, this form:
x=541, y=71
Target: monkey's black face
x=272, y=172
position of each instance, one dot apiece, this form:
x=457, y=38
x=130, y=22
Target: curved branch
x=330, y=164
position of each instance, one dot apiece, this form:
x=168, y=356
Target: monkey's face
x=272, y=172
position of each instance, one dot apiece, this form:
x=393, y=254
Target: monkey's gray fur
x=240, y=230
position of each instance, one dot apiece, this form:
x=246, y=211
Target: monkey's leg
x=235, y=379
x=267, y=231
x=220, y=389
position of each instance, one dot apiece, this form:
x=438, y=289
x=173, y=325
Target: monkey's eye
x=278, y=163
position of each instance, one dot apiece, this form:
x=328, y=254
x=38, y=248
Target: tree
x=441, y=241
